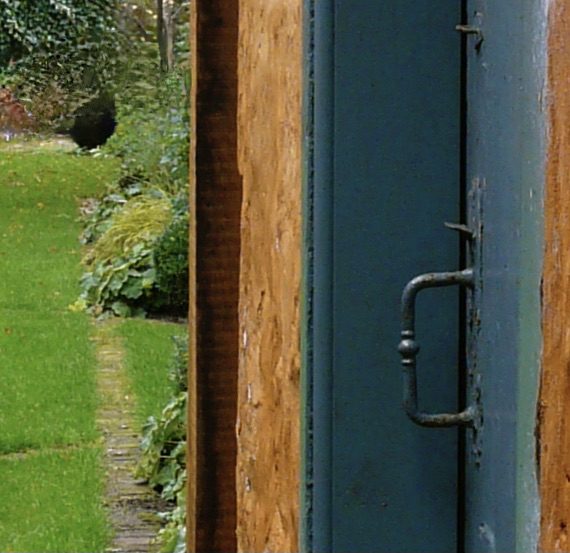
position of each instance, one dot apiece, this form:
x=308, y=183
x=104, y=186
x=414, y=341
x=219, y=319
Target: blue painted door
x=504, y=174
x=410, y=124
x=383, y=175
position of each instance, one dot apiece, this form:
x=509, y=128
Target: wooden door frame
x=215, y=208
x=552, y=431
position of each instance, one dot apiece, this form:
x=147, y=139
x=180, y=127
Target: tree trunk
x=165, y=33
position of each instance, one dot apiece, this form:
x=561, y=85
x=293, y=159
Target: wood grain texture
x=269, y=131
x=554, y=409
x=216, y=201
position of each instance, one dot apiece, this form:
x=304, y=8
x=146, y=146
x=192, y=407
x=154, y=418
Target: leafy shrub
x=163, y=447
x=178, y=370
x=162, y=437
x=152, y=136
x=173, y=536
x=127, y=279
x=98, y=214
x=141, y=221
x=163, y=465
x=122, y=275
x=171, y=263
x=152, y=141
x=123, y=285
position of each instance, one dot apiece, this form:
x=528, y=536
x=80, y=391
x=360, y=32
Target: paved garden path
x=132, y=505
x=65, y=481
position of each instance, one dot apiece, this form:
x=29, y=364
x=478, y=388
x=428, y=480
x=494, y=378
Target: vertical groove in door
x=462, y=357
x=318, y=255
x=383, y=151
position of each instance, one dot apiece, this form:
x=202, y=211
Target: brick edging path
x=132, y=505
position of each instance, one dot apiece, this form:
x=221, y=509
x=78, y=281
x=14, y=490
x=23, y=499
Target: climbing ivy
x=58, y=53
x=50, y=26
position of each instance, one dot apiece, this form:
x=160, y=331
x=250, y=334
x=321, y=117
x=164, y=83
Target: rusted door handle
x=409, y=348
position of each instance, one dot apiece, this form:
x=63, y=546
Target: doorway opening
x=94, y=225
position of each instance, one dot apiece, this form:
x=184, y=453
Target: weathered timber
x=269, y=145
x=554, y=407
x=214, y=251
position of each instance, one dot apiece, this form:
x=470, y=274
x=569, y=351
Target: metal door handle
x=409, y=348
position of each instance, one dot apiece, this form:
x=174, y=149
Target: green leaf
x=121, y=309
x=133, y=289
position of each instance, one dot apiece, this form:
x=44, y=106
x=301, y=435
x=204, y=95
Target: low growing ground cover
x=51, y=481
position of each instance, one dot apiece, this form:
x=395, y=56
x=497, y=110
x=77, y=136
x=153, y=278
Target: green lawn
x=51, y=501
x=149, y=349
x=50, y=458
x=47, y=385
